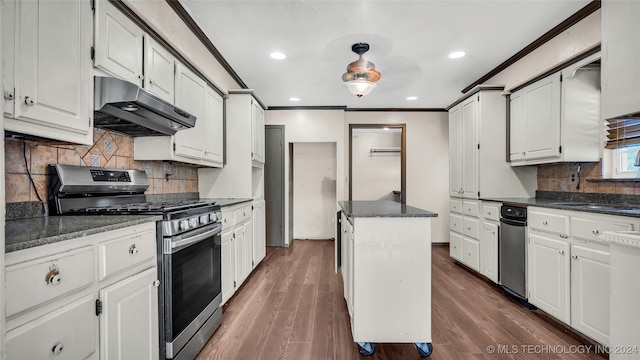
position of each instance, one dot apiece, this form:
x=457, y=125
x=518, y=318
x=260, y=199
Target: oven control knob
x=193, y=222
x=184, y=225
x=219, y=215
x=212, y=217
x=203, y=219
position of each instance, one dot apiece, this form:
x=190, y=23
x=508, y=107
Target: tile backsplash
x=109, y=150
x=557, y=177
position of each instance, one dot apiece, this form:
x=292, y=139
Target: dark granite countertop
x=576, y=203
x=382, y=208
x=28, y=233
x=229, y=201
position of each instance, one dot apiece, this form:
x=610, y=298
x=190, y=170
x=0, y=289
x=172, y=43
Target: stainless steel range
x=188, y=242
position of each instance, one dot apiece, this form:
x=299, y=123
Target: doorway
x=377, y=162
x=274, y=184
x=313, y=198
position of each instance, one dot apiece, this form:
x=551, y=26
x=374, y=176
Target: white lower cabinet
x=65, y=333
x=259, y=232
x=569, y=268
x=489, y=251
x=238, y=246
x=129, y=323
x=548, y=275
x=86, y=298
x=455, y=245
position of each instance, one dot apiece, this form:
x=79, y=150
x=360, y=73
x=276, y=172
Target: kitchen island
x=386, y=268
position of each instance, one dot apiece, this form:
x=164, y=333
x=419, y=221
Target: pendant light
x=361, y=74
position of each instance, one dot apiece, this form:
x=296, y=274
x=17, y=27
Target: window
x=623, y=160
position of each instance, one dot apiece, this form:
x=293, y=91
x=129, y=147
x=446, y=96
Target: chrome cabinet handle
x=156, y=283
x=595, y=231
x=29, y=101
x=57, y=349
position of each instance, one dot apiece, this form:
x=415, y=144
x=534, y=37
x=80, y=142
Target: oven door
x=192, y=275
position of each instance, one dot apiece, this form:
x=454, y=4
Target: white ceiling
x=410, y=42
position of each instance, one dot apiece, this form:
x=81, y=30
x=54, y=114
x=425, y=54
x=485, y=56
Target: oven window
x=195, y=281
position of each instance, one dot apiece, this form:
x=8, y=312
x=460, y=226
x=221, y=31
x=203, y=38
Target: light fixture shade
x=360, y=88
x=361, y=74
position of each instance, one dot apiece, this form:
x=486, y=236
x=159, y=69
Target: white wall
x=580, y=37
x=427, y=168
x=375, y=175
x=314, y=190
x=311, y=126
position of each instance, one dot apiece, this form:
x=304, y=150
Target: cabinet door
x=129, y=322
x=214, y=128
x=489, y=251
x=159, y=70
x=455, y=154
x=190, y=96
x=248, y=247
x=469, y=114
x=65, y=333
x=455, y=245
x=471, y=253
x=590, y=286
x=257, y=134
x=517, y=127
x=228, y=265
x=620, y=57
x=239, y=252
x=548, y=274
x=542, y=115
x=259, y=232
x=53, y=82
x=118, y=43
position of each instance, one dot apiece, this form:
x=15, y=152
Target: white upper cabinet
x=455, y=154
x=214, y=128
x=557, y=118
x=257, y=133
x=469, y=147
x=620, y=58
x=50, y=70
x=159, y=70
x=190, y=96
x=119, y=42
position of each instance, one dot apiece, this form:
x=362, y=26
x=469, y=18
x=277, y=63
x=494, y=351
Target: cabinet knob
x=29, y=101
x=140, y=77
x=595, y=231
x=156, y=283
x=57, y=349
x=544, y=222
x=8, y=95
x=574, y=257
x=488, y=212
x=468, y=227
x=561, y=252
x=150, y=81
x=133, y=250
x=53, y=278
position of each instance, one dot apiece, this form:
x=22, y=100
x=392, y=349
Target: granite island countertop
x=382, y=208
x=27, y=233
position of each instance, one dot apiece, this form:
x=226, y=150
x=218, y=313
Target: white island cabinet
x=386, y=269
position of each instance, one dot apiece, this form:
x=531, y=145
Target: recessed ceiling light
x=294, y=99
x=278, y=55
x=457, y=54
x=411, y=98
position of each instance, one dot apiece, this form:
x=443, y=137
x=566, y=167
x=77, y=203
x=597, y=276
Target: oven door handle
x=178, y=243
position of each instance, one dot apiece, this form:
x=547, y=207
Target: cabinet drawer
x=590, y=229
x=242, y=214
x=455, y=223
x=553, y=223
x=124, y=252
x=68, y=332
x=471, y=208
x=471, y=253
x=491, y=211
x=455, y=245
x=455, y=206
x=471, y=227
x=34, y=282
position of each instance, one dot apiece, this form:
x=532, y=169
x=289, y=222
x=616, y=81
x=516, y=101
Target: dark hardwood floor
x=292, y=307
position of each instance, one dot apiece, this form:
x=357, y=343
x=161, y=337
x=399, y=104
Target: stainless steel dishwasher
x=513, y=252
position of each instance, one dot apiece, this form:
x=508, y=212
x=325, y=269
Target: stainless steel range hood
x=125, y=107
